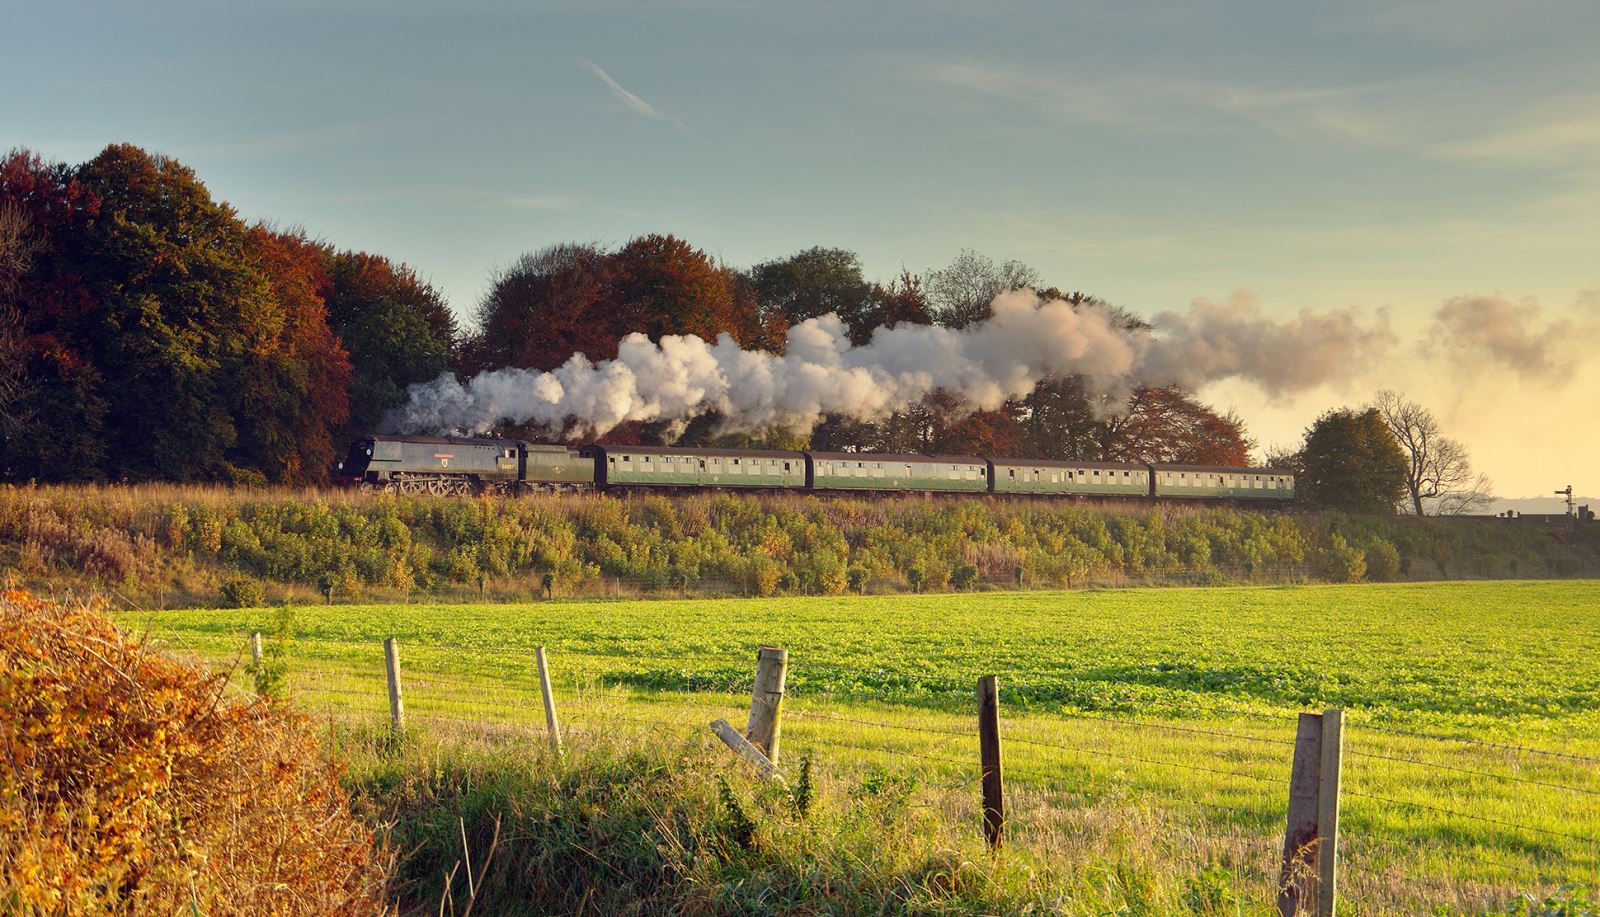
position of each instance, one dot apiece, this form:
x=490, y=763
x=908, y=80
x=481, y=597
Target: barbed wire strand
x=1456, y=813
x=1142, y=760
x=190, y=641
x=1476, y=773
x=1505, y=746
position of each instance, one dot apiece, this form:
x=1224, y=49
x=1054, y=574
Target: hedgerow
x=151, y=540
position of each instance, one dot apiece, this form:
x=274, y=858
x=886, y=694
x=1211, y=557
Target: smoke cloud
x=1025, y=340
x=1476, y=330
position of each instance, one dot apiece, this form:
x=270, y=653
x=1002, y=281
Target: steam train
x=508, y=467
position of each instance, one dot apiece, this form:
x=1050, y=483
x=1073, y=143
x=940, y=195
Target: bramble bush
x=131, y=788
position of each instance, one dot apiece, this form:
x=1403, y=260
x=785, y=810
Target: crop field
x=1146, y=732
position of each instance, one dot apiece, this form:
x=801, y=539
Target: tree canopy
x=148, y=332
x=1350, y=461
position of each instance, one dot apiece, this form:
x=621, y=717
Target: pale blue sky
x=1322, y=155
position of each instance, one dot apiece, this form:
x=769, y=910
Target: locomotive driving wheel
x=438, y=487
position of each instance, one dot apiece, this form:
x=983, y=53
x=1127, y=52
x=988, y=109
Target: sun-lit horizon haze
x=1428, y=165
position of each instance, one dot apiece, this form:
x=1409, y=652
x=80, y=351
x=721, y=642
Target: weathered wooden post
x=994, y=806
x=1311, y=837
x=745, y=749
x=255, y=647
x=397, y=710
x=1331, y=754
x=551, y=726
x=766, y=701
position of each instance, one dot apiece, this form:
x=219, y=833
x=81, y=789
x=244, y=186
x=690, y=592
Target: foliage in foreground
x=644, y=829
x=133, y=786
x=623, y=825
x=203, y=544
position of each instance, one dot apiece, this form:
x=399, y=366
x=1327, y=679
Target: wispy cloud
x=536, y=202
x=1548, y=135
x=1153, y=103
x=637, y=105
x=476, y=198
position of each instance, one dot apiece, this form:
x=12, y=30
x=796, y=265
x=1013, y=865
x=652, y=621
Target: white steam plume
x=1024, y=341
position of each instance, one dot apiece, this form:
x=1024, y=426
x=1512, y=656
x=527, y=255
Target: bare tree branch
x=1438, y=468
x=1469, y=500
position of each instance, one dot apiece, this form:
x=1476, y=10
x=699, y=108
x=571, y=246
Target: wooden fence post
x=731, y=738
x=1310, y=841
x=1330, y=755
x=766, y=701
x=255, y=647
x=994, y=806
x=397, y=710
x=551, y=726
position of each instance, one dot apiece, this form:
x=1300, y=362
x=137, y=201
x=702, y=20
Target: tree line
x=148, y=332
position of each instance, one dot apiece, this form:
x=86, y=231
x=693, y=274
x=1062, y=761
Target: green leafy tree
x=180, y=306
x=1351, y=462
x=814, y=282
x=396, y=327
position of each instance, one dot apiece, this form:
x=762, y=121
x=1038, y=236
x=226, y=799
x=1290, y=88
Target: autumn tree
x=663, y=285
x=542, y=309
x=1437, y=467
x=1350, y=461
x=160, y=340
x=60, y=399
x=296, y=377
x=18, y=246
x=1167, y=425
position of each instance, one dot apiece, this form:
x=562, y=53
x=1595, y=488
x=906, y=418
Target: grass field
x=1148, y=731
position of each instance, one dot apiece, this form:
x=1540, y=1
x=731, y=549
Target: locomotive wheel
x=438, y=488
x=390, y=487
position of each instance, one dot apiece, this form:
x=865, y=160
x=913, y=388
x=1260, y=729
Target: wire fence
x=1424, y=813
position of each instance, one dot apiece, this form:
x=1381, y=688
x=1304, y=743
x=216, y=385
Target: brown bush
x=132, y=784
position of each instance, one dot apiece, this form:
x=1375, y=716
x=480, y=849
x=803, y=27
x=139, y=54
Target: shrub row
x=345, y=544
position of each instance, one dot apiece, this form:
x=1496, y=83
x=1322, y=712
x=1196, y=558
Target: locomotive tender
x=463, y=466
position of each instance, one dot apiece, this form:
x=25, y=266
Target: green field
x=1145, y=729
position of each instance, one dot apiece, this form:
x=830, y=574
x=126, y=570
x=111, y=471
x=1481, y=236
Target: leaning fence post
x=766, y=701
x=994, y=806
x=1310, y=841
x=391, y=658
x=255, y=647
x=550, y=724
x=731, y=737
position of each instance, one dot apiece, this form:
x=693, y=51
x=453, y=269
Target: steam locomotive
x=466, y=466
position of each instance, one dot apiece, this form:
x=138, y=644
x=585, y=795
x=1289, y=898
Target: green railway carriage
x=668, y=466
x=1048, y=477
x=1220, y=483
x=874, y=471
x=556, y=468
